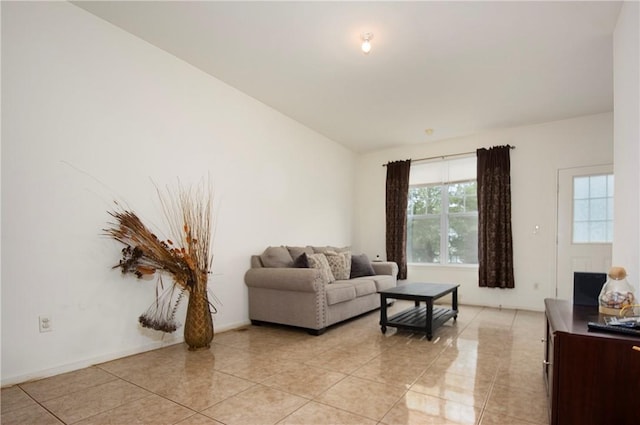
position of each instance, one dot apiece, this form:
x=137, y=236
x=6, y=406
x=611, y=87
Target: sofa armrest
x=284, y=279
x=385, y=267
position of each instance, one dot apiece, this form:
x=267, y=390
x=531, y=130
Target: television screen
x=587, y=287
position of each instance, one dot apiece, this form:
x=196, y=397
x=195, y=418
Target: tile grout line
x=39, y=403
x=423, y=372
x=415, y=348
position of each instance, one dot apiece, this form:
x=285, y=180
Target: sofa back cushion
x=276, y=256
x=297, y=251
x=323, y=249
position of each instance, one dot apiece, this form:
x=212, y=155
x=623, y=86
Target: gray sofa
x=285, y=289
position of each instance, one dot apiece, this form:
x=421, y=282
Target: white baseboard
x=70, y=367
x=232, y=326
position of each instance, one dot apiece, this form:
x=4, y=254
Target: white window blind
x=443, y=171
x=442, y=213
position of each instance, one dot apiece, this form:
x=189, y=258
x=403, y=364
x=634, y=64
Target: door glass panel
x=593, y=209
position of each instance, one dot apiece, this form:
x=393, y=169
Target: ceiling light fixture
x=366, y=42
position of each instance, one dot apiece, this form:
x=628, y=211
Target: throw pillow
x=361, y=266
x=340, y=264
x=276, y=256
x=302, y=261
x=319, y=261
x=347, y=261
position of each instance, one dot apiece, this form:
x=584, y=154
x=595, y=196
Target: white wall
x=91, y=113
x=626, y=84
x=540, y=151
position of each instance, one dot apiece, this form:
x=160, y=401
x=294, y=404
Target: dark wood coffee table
x=424, y=319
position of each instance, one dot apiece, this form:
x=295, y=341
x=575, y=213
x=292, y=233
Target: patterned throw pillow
x=340, y=264
x=347, y=260
x=319, y=261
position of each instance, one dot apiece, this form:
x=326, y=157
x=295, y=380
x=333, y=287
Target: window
x=442, y=215
x=593, y=209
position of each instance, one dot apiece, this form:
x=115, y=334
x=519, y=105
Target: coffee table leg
x=383, y=313
x=429, y=319
x=454, y=303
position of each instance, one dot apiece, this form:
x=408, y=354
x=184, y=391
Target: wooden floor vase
x=198, y=327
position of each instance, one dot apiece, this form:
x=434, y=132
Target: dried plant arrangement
x=184, y=256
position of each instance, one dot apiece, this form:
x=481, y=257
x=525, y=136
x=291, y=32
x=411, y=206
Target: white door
x=585, y=224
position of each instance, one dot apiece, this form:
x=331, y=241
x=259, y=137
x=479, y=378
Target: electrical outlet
x=45, y=324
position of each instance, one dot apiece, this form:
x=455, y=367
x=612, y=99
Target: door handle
x=635, y=347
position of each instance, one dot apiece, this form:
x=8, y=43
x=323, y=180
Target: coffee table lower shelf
x=416, y=319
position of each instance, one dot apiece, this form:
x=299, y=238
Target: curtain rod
x=446, y=156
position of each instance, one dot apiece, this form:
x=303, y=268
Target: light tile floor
x=485, y=369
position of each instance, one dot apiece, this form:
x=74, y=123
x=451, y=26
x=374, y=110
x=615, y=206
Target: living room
x=93, y=114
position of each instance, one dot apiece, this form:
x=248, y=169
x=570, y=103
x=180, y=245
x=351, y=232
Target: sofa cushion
x=364, y=286
x=276, y=256
x=319, y=261
x=297, y=251
x=361, y=266
x=340, y=292
x=323, y=249
x=340, y=264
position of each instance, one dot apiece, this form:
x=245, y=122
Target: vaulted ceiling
x=455, y=67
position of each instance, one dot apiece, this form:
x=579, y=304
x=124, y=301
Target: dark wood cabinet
x=593, y=378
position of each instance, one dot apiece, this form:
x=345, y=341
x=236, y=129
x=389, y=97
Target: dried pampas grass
x=184, y=256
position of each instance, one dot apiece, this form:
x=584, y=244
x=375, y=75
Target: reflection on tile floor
x=484, y=369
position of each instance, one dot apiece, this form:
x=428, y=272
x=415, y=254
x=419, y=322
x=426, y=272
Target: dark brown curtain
x=495, y=247
x=396, y=201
